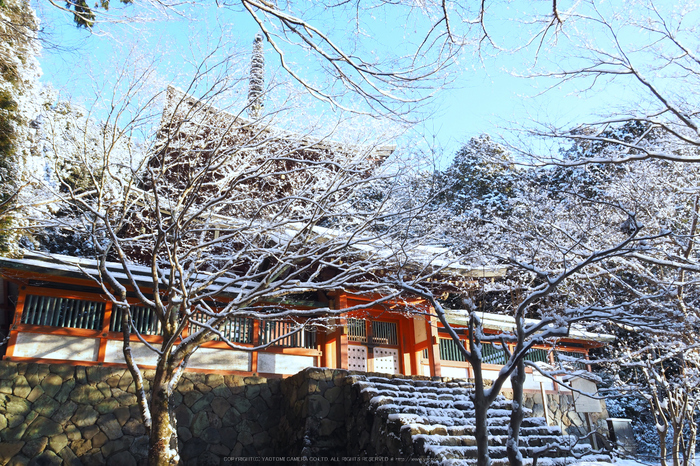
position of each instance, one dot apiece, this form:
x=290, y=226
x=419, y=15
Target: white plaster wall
x=140, y=352
x=357, y=358
x=35, y=345
x=203, y=358
x=454, y=372
x=386, y=360
x=284, y=363
x=220, y=359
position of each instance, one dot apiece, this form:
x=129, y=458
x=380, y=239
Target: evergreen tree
x=591, y=179
x=19, y=72
x=480, y=180
x=83, y=14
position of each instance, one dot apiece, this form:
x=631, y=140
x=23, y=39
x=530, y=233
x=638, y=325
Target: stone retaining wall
x=53, y=414
x=316, y=404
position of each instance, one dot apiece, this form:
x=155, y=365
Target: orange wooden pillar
x=330, y=347
x=433, y=349
x=256, y=342
x=411, y=356
x=19, y=308
x=323, y=347
x=105, y=329
x=342, y=344
x=341, y=348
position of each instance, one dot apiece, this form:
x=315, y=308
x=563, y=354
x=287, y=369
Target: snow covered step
x=470, y=430
x=462, y=452
x=421, y=428
x=392, y=390
x=525, y=444
x=580, y=450
x=603, y=458
x=435, y=415
x=540, y=430
x=498, y=404
x=392, y=387
x=457, y=394
x=426, y=402
x=417, y=384
x=561, y=461
x=436, y=420
x=461, y=388
x=456, y=421
x=534, y=422
x=499, y=452
x=494, y=421
x=542, y=440
x=460, y=384
x=443, y=401
x=444, y=390
x=492, y=430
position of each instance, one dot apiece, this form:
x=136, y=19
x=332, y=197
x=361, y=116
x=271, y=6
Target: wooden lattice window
x=357, y=330
x=271, y=330
x=379, y=333
x=537, y=355
x=234, y=329
x=492, y=354
x=449, y=350
x=143, y=318
x=385, y=333
x=63, y=312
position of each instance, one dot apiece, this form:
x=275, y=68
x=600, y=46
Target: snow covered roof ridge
x=77, y=267
x=506, y=323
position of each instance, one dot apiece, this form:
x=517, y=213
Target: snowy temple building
x=54, y=313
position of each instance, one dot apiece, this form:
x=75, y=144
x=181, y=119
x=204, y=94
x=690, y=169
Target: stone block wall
x=220, y=416
x=316, y=406
x=54, y=414
x=57, y=414
x=371, y=435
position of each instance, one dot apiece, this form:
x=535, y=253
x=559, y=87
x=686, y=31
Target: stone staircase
x=429, y=422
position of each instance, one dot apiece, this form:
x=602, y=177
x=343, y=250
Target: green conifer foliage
x=480, y=180
x=85, y=15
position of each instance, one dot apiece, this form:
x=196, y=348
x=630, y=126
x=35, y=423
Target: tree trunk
x=481, y=406
x=163, y=448
x=662, y=444
x=689, y=453
x=676, y=445
x=517, y=380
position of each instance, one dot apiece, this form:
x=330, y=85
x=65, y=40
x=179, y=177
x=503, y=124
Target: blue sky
x=483, y=98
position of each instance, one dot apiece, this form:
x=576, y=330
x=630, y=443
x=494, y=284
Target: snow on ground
x=617, y=462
